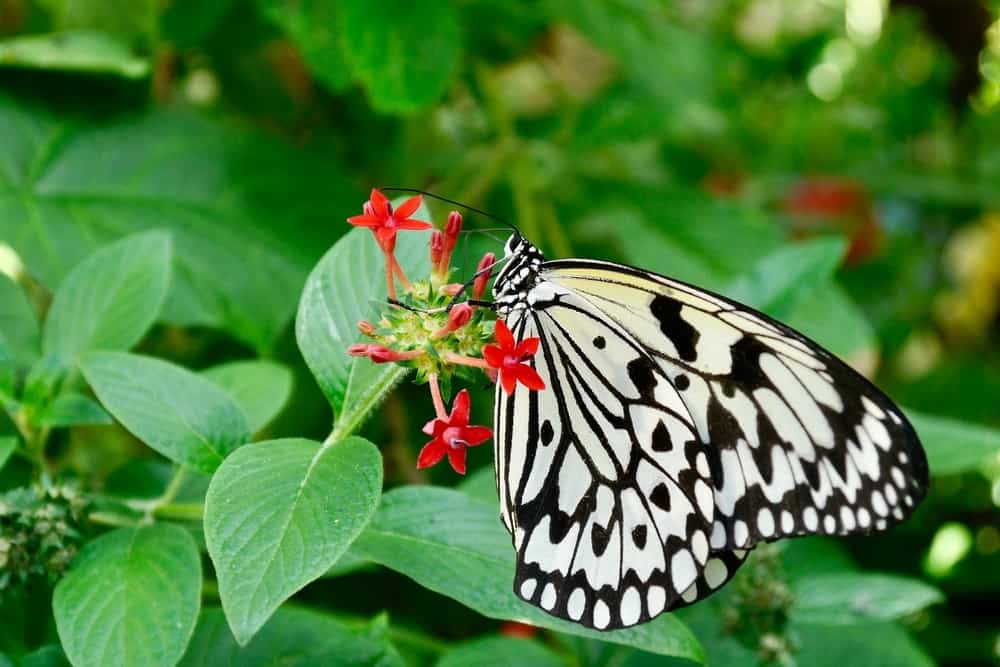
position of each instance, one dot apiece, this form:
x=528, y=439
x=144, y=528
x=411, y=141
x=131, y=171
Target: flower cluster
x=428, y=327
x=39, y=533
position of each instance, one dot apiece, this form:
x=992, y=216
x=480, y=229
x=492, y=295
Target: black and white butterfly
x=677, y=430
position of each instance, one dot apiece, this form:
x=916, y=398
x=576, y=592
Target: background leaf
x=954, y=446
x=261, y=388
x=500, y=652
x=179, y=414
x=857, y=599
x=72, y=409
x=90, y=52
x=279, y=513
x=18, y=325
x=346, y=286
x=455, y=545
x=109, y=300
x=291, y=636
x=131, y=598
x=7, y=446
x=405, y=62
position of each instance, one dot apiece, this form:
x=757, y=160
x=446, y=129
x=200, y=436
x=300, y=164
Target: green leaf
x=456, y=546
x=785, y=276
x=47, y=656
x=261, y=388
x=72, y=409
x=130, y=598
x=481, y=485
x=291, y=637
x=132, y=20
x=8, y=444
x=217, y=188
x=954, y=446
x=829, y=317
x=313, y=26
x=176, y=412
x=18, y=326
x=407, y=61
x=109, y=300
x=859, y=598
x=871, y=645
x=346, y=286
x=500, y=652
x=279, y=513
x=85, y=52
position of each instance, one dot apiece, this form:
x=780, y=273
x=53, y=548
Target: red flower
x=509, y=358
x=452, y=435
x=385, y=222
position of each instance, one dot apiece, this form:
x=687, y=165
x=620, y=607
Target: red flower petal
x=508, y=381
x=364, y=221
x=429, y=427
x=460, y=409
x=380, y=204
x=412, y=224
x=408, y=207
x=493, y=355
x=432, y=452
x=529, y=377
x=386, y=237
x=526, y=348
x=503, y=336
x=456, y=457
x=476, y=435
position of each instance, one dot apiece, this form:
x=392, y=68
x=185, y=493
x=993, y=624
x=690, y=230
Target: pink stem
x=439, y=408
x=461, y=360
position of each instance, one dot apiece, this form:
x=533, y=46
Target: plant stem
x=439, y=409
x=110, y=519
x=184, y=511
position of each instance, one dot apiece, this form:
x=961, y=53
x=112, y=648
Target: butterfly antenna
x=456, y=203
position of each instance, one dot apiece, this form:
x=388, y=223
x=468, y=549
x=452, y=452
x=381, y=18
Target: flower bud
x=380, y=354
x=453, y=227
x=452, y=289
x=358, y=350
x=366, y=328
x=437, y=250
x=458, y=317
x=368, y=209
x=482, y=279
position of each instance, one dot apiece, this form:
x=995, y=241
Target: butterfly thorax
x=523, y=263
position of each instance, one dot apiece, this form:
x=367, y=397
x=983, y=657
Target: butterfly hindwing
x=602, y=479
x=799, y=443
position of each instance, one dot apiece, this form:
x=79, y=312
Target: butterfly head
x=522, y=262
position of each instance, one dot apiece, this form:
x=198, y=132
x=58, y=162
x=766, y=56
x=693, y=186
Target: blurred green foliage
x=740, y=145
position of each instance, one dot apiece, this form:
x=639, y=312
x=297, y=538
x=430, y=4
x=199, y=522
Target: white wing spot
x=890, y=494
x=656, y=600
x=691, y=594
x=864, y=518
x=718, y=535
x=715, y=572
x=810, y=518
x=847, y=518
x=602, y=615
x=829, y=524
x=876, y=430
x=873, y=409
x=740, y=533
x=701, y=463
x=699, y=545
x=898, y=477
x=549, y=596
x=878, y=504
x=631, y=608
x=765, y=522
x=528, y=588
x=576, y=604
x=787, y=522
x=682, y=570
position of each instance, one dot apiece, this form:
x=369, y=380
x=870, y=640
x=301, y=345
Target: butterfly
x=677, y=429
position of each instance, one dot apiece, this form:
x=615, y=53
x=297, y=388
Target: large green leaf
x=176, y=412
x=69, y=187
x=855, y=598
x=871, y=645
x=109, y=300
x=404, y=51
x=954, y=446
x=785, y=276
x=7, y=446
x=279, y=513
x=72, y=409
x=455, y=545
x=261, y=388
x=346, y=286
x=18, y=326
x=291, y=637
x=500, y=652
x=131, y=598
x=81, y=51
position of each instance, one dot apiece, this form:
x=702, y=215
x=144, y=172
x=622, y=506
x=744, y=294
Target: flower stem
x=390, y=284
x=439, y=409
x=461, y=360
x=399, y=273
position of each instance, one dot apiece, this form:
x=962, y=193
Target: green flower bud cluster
x=757, y=613
x=40, y=533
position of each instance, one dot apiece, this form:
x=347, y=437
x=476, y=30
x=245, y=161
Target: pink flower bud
x=459, y=316
x=485, y=265
x=454, y=226
x=358, y=350
x=368, y=209
x=437, y=249
x=366, y=328
x=452, y=289
x=380, y=354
